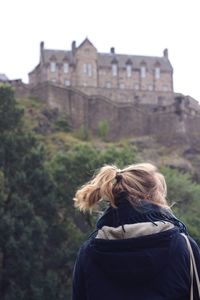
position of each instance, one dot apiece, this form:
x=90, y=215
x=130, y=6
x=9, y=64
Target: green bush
x=83, y=133
x=185, y=193
x=62, y=124
x=103, y=129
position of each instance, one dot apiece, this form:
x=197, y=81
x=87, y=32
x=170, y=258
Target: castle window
x=157, y=73
x=143, y=71
x=66, y=67
x=89, y=66
x=150, y=87
x=122, y=86
x=87, y=69
x=108, y=85
x=114, y=69
x=128, y=70
x=67, y=82
x=136, y=86
x=53, y=66
x=165, y=88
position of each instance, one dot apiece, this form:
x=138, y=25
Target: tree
x=185, y=193
x=10, y=115
x=33, y=234
x=76, y=166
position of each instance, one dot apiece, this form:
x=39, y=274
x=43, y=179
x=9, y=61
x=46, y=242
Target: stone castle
x=83, y=67
x=133, y=94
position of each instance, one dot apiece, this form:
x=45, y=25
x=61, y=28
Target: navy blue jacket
x=151, y=267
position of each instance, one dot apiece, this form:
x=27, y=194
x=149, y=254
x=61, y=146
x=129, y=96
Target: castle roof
x=106, y=59
x=86, y=40
x=58, y=55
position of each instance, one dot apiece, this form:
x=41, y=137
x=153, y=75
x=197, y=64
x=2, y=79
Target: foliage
x=76, y=166
x=186, y=195
x=10, y=115
x=73, y=168
x=40, y=232
x=83, y=133
x=103, y=129
x=33, y=234
x=62, y=124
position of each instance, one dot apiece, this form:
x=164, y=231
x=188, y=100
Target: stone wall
x=132, y=96
x=21, y=89
x=73, y=104
x=175, y=119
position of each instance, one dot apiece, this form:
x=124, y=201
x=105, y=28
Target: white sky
x=143, y=27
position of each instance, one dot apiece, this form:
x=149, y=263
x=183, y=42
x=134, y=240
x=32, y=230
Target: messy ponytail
x=99, y=188
x=137, y=182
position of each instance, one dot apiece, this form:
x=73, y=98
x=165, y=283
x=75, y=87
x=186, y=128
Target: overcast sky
x=143, y=27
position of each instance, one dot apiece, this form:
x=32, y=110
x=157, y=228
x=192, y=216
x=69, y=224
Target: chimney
x=112, y=50
x=73, y=47
x=42, y=52
x=41, y=46
x=165, y=53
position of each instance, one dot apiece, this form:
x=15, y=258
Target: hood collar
x=145, y=211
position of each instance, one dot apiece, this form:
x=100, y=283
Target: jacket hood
x=128, y=231
x=134, y=253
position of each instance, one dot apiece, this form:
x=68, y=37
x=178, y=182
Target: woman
x=137, y=251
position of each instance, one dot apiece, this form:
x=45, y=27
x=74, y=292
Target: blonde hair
x=138, y=181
